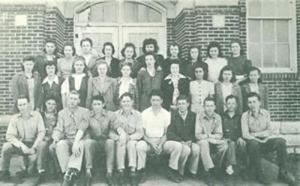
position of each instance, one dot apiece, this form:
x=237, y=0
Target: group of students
x=71, y=108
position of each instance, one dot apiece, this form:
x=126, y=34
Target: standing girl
x=194, y=60
x=90, y=59
x=113, y=63
x=64, y=64
x=129, y=55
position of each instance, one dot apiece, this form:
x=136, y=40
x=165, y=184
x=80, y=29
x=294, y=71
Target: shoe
x=4, y=175
x=287, y=177
x=133, y=178
x=70, y=176
x=121, y=178
x=192, y=175
x=173, y=176
x=142, y=176
x=18, y=178
x=109, y=179
x=40, y=179
x=208, y=178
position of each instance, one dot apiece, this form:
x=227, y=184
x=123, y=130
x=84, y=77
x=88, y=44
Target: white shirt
x=124, y=86
x=155, y=124
x=200, y=91
x=254, y=87
x=50, y=82
x=214, y=68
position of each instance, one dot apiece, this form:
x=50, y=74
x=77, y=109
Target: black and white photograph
x=150, y=92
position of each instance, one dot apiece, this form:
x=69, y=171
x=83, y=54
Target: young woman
x=50, y=86
x=127, y=84
x=194, y=60
x=149, y=45
x=90, y=59
x=227, y=86
x=173, y=85
x=173, y=55
x=113, y=63
x=254, y=84
x=49, y=54
x=215, y=61
x=102, y=85
x=238, y=61
x=200, y=89
x=129, y=54
x=64, y=64
x=148, y=80
x=26, y=83
x=77, y=81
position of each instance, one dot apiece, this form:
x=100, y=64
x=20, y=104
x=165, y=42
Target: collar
x=183, y=116
x=78, y=75
x=56, y=80
x=20, y=115
x=121, y=111
x=121, y=80
x=102, y=113
x=170, y=76
x=205, y=116
x=227, y=114
x=259, y=113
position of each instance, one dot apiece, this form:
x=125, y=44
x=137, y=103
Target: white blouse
x=214, y=68
x=200, y=91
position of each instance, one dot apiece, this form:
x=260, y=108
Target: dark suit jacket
x=114, y=68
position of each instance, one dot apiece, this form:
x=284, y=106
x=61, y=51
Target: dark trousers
x=236, y=154
x=256, y=149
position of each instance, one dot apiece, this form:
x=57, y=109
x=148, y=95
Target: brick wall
x=69, y=30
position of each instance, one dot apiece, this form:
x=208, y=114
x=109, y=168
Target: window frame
x=292, y=37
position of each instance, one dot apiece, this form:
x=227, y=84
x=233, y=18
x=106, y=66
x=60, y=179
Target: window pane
x=283, y=55
x=254, y=8
x=283, y=8
x=254, y=30
x=269, y=7
x=268, y=31
x=98, y=40
x=136, y=12
x=138, y=38
x=282, y=31
x=255, y=54
x=269, y=55
x=104, y=12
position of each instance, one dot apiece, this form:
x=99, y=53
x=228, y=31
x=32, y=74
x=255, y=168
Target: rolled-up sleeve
x=12, y=133
x=139, y=132
x=41, y=130
x=199, y=129
x=245, y=128
x=59, y=129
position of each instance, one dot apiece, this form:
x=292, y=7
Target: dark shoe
x=121, y=178
x=142, y=176
x=18, y=178
x=192, y=175
x=208, y=179
x=133, y=178
x=40, y=179
x=109, y=179
x=88, y=180
x=70, y=176
x=287, y=177
x=4, y=175
x=173, y=176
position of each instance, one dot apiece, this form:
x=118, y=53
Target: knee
x=89, y=143
x=195, y=149
x=176, y=146
x=62, y=145
x=42, y=145
x=141, y=146
x=131, y=144
x=203, y=144
x=186, y=150
x=253, y=145
x=6, y=147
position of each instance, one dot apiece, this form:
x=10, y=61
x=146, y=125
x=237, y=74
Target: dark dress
x=114, y=67
x=189, y=68
x=240, y=65
x=168, y=89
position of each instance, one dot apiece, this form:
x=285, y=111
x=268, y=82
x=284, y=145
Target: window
x=271, y=33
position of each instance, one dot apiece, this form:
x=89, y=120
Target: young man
x=155, y=123
x=209, y=135
x=24, y=136
x=231, y=122
x=67, y=137
x=256, y=129
x=181, y=141
x=126, y=130
x=99, y=123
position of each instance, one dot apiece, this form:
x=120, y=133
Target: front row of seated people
x=75, y=137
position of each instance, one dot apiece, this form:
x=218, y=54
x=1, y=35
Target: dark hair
x=88, y=40
x=74, y=92
x=126, y=94
x=209, y=98
x=205, y=73
x=242, y=52
x=227, y=68
x=174, y=44
x=50, y=41
x=156, y=93
x=125, y=64
x=98, y=98
x=108, y=44
x=100, y=62
x=199, y=53
x=214, y=44
x=22, y=96
x=72, y=46
x=127, y=45
x=254, y=69
x=79, y=58
x=28, y=58
x=51, y=63
x=47, y=98
x=154, y=56
x=175, y=62
x=183, y=97
x=253, y=94
x=231, y=97
x=150, y=41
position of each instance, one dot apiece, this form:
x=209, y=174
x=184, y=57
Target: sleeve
x=59, y=129
x=199, y=129
x=139, y=84
x=89, y=93
x=59, y=71
x=113, y=127
x=248, y=65
x=84, y=123
x=245, y=129
x=139, y=132
x=218, y=130
x=41, y=130
x=172, y=132
x=41, y=98
x=12, y=133
x=240, y=99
